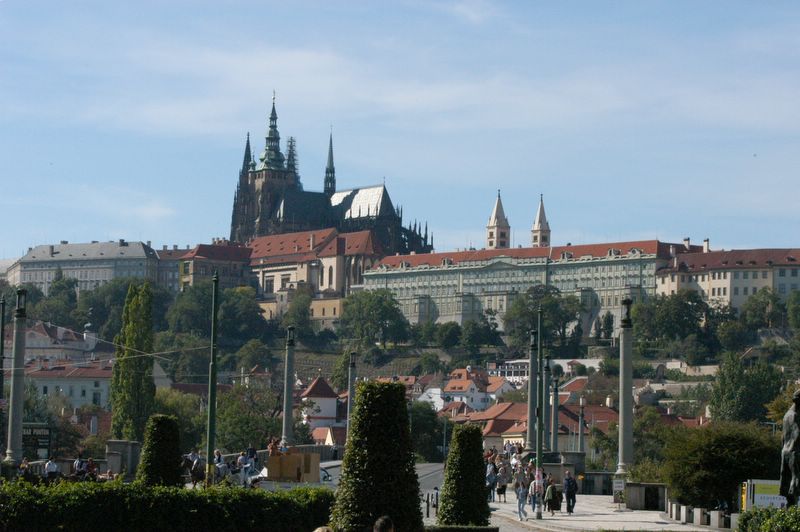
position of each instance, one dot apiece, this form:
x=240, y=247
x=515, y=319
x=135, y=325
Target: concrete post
x=581, y=424
x=546, y=402
x=530, y=434
x=351, y=389
x=554, y=418
x=288, y=389
x=625, y=392
x=17, y=393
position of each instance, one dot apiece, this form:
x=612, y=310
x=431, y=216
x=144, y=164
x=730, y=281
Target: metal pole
x=530, y=436
x=554, y=418
x=2, y=366
x=212, y=385
x=288, y=389
x=14, y=447
x=540, y=409
x=580, y=424
x=625, y=393
x=351, y=389
x=546, y=403
x=444, y=440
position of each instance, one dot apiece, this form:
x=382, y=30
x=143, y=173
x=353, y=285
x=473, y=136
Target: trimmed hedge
x=770, y=520
x=378, y=474
x=160, y=462
x=135, y=507
x=463, y=500
x=456, y=528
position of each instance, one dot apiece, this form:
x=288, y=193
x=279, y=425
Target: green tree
x=430, y=363
x=464, y=490
x=160, y=462
x=426, y=436
x=132, y=387
x=763, y=309
x=240, y=317
x=733, y=335
x=191, y=311
x=378, y=475
x=558, y=313
x=254, y=353
x=299, y=315
x=247, y=415
x=102, y=306
x=340, y=372
x=739, y=393
x=708, y=464
x=607, y=325
x=372, y=315
x=448, y=334
x=59, y=306
x=793, y=310
x=189, y=412
x=188, y=355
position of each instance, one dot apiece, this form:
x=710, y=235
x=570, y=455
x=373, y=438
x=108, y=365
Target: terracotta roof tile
x=740, y=259
x=319, y=388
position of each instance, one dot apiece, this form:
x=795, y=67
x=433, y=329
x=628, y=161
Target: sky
x=635, y=120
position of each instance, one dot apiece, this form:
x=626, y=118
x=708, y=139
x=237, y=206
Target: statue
x=790, y=454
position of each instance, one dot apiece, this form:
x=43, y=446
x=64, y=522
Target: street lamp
x=541, y=401
x=351, y=389
x=582, y=403
x=14, y=446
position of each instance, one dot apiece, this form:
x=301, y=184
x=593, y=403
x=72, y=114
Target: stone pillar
x=288, y=389
x=625, y=392
x=351, y=389
x=546, y=403
x=17, y=392
x=530, y=434
x=581, y=423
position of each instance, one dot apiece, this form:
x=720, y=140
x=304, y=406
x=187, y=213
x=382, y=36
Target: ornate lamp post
x=351, y=388
x=212, y=384
x=541, y=399
x=554, y=416
x=14, y=447
x=625, y=392
x=582, y=403
x=530, y=435
x=288, y=389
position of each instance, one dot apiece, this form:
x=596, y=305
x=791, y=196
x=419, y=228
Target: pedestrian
x=91, y=469
x=550, y=497
x=502, y=480
x=535, y=490
x=51, y=470
x=570, y=490
x=521, y=489
x=491, y=479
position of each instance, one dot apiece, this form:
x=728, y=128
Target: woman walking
x=521, y=489
x=550, y=497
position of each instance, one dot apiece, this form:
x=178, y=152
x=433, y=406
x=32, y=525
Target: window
x=794, y=272
x=745, y=275
x=502, y=234
x=96, y=384
x=535, y=239
x=83, y=392
x=735, y=275
x=491, y=234
x=44, y=390
x=330, y=275
x=781, y=272
x=185, y=270
x=491, y=243
x=269, y=285
x=781, y=288
x=96, y=398
x=334, y=311
x=323, y=311
x=744, y=291
x=736, y=290
x=285, y=281
x=764, y=274
x=724, y=275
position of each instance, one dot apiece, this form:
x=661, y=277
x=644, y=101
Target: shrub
x=464, y=490
x=706, y=465
x=136, y=507
x=160, y=462
x=378, y=475
x=770, y=520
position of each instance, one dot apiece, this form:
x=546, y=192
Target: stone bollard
x=675, y=511
x=734, y=521
x=686, y=515
x=699, y=517
x=716, y=519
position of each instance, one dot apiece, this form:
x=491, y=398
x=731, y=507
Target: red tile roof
x=508, y=411
x=67, y=369
x=739, y=259
x=229, y=252
x=320, y=389
x=290, y=244
x=577, y=384
x=647, y=247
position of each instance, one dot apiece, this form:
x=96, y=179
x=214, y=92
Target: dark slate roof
x=309, y=208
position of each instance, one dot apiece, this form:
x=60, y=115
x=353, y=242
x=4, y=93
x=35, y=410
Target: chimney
x=51, y=250
x=311, y=240
x=706, y=246
x=672, y=250
x=686, y=243
x=164, y=247
x=149, y=244
x=64, y=242
x=121, y=241
x=609, y=401
x=174, y=247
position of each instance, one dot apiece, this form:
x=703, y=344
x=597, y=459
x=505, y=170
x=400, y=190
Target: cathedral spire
x=247, y=155
x=498, y=230
x=330, y=170
x=272, y=158
x=540, y=232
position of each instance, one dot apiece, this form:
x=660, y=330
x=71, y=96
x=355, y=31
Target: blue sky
x=634, y=119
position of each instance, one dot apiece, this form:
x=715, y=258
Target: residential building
x=82, y=383
x=474, y=387
x=516, y=371
x=169, y=262
x=230, y=262
x=320, y=405
x=51, y=342
x=730, y=277
x=92, y=265
x=325, y=262
x=462, y=285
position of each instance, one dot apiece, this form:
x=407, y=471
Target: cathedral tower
x=540, y=232
x=330, y=171
x=498, y=232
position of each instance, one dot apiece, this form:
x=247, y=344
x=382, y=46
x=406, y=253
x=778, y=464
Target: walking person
x=550, y=497
x=570, y=491
x=491, y=479
x=522, y=495
x=502, y=481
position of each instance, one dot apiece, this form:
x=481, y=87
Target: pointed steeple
x=330, y=170
x=498, y=230
x=271, y=157
x=540, y=232
x=291, y=155
x=248, y=157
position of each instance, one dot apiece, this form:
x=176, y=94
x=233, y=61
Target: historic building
x=462, y=285
x=730, y=277
x=229, y=261
x=270, y=200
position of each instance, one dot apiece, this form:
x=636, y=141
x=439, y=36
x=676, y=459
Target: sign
x=36, y=440
x=618, y=485
x=763, y=494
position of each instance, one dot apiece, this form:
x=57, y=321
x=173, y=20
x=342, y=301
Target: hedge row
x=134, y=507
x=457, y=528
x=770, y=520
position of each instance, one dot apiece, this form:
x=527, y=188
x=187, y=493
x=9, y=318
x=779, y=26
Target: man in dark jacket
x=570, y=490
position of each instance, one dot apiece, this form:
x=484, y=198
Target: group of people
x=530, y=484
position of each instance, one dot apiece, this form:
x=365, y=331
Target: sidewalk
x=592, y=512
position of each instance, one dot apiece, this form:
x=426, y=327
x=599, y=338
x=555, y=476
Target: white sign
x=619, y=484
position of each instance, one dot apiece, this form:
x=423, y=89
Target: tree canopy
x=372, y=315
x=559, y=312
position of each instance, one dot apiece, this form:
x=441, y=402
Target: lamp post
x=625, y=392
x=554, y=417
x=546, y=401
x=2, y=363
x=14, y=447
x=582, y=403
x=288, y=388
x=540, y=400
x=530, y=435
x=212, y=384
x=351, y=389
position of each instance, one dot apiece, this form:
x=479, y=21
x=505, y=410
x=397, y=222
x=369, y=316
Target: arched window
x=321, y=276
x=330, y=275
